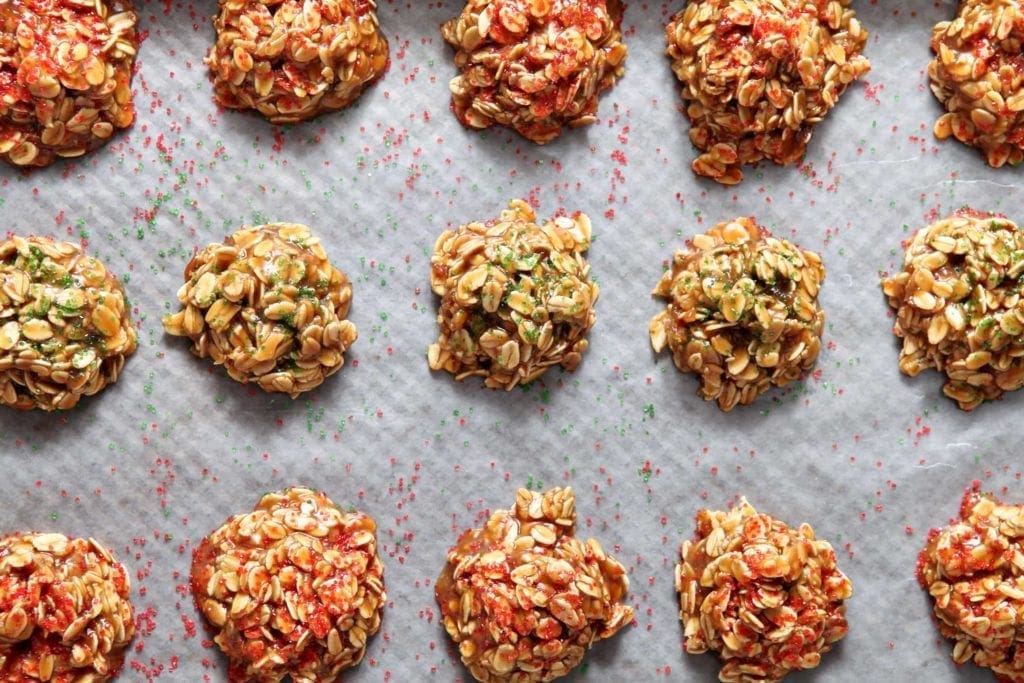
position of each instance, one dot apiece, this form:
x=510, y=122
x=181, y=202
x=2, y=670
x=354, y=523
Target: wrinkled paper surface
x=870, y=458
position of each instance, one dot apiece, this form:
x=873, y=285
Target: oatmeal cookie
x=523, y=598
x=758, y=75
x=977, y=76
x=957, y=305
x=267, y=305
x=291, y=60
x=769, y=599
x=971, y=571
x=65, y=77
x=516, y=297
x=292, y=589
x=65, y=609
x=535, y=66
x=742, y=311
x=65, y=328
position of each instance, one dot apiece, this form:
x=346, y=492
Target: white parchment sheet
x=870, y=458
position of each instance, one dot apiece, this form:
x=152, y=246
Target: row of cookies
x=516, y=298
x=295, y=588
x=758, y=75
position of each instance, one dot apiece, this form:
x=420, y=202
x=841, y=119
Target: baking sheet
x=872, y=459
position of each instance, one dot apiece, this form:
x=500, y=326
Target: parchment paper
x=870, y=458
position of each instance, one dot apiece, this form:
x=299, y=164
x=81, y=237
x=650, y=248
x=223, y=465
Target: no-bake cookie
x=758, y=75
x=536, y=66
x=291, y=60
x=742, y=311
x=65, y=77
x=977, y=76
x=66, y=609
x=769, y=599
x=65, y=329
x=972, y=570
x=516, y=297
x=292, y=589
x=523, y=598
x=956, y=303
x=267, y=305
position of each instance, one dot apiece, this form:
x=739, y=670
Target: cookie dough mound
x=523, y=598
x=534, y=65
x=292, y=60
x=65, y=329
x=294, y=588
x=66, y=607
x=767, y=598
x=516, y=297
x=970, y=571
x=956, y=305
x=65, y=77
x=742, y=312
x=268, y=306
x=758, y=75
x=977, y=76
